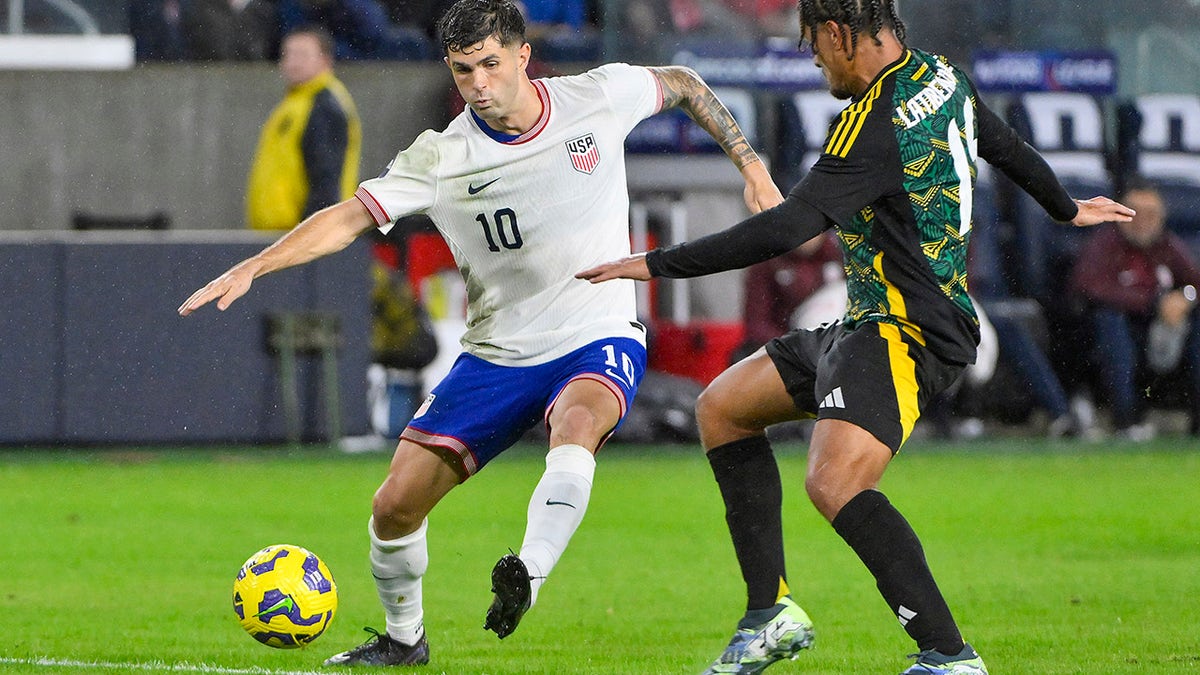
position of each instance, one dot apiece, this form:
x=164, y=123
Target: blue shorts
x=480, y=409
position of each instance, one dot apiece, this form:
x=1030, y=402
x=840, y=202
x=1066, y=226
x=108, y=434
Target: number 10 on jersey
x=501, y=228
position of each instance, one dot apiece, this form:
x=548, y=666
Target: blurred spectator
x=715, y=22
x=423, y=14
x=1020, y=349
x=638, y=31
x=773, y=18
x=1140, y=282
x=361, y=29
x=229, y=30
x=952, y=28
x=1011, y=323
x=653, y=31
x=308, y=152
x=157, y=30
x=776, y=289
x=560, y=31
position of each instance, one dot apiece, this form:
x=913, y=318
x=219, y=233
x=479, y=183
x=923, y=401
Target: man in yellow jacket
x=308, y=152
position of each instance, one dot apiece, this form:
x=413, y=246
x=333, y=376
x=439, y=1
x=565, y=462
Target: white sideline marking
x=152, y=666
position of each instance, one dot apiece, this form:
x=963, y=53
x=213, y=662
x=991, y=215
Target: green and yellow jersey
x=895, y=179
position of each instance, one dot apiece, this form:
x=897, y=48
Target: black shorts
x=876, y=376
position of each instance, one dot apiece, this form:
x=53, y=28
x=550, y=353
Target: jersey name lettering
x=928, y=100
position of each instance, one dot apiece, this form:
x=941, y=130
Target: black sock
x=748, y=478
x=889, y=548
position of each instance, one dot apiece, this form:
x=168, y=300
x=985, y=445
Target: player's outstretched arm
x=682, y=87
x=1004, y=149
x=326, y=231
x=759, y=237
x=1101, y=210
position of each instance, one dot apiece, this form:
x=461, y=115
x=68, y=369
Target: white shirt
x=523, y=214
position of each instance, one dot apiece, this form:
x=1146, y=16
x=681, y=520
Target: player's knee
x=713, y=415
x=708, y=407
x=823, y=493
x=830, y=485
x=578, y=424
x=394, y=518
x=579, y=418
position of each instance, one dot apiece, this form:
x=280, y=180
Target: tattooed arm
x=683, y=88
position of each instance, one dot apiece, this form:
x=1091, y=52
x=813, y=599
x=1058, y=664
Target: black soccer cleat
x=510, y=583
x=382, y=650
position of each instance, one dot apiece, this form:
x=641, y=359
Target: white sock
x=398, y=566
x=556, y=509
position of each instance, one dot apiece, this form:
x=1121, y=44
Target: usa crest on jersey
x=584, y=153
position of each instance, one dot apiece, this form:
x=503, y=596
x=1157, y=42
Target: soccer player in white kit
x=527, y=186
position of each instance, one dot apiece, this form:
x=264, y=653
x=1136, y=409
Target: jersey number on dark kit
x=503, y=228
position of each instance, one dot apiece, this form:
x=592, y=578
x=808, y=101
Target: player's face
x=301, y=59
x=825, y=44
x=489, y=77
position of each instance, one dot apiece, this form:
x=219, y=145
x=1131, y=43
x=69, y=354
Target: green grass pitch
x=1056, y=558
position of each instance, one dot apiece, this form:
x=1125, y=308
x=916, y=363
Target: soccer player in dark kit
x=895, y=182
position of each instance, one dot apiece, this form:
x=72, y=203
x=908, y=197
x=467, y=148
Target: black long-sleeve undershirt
x=760, y=237
x=1004, y=149
x=780, y=229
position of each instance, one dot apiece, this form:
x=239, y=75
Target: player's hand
x=760, y=192
x=225, y=289
x=629, y=267
x=1101, y=210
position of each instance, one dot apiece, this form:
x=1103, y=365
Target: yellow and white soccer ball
x=284, y=596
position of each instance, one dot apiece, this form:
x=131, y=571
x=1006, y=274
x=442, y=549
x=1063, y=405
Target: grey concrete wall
x=174, y=138
x=92, y=351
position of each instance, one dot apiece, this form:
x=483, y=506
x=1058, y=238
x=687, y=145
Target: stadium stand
x=1068, y=129
x=804, y=122
x=1164, y=141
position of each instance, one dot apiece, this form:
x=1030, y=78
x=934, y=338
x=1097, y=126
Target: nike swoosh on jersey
x=471, y=189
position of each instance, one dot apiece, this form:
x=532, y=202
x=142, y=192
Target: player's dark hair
x=469, y=22
x=324, y=38
x=865, y=17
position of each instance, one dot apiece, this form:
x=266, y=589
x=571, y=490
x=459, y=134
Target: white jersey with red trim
x=523, y=214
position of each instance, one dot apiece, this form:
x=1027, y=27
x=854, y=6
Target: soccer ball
x=284, y=596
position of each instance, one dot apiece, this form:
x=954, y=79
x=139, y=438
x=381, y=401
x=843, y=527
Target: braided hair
x=469, y=22
x=866, y=17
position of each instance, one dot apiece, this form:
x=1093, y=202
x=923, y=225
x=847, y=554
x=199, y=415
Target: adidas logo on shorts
x=834, y=399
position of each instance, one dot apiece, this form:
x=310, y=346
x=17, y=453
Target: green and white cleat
x=752, y=649
x=933, y=662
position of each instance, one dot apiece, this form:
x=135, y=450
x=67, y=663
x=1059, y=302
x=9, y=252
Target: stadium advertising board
x=1088, y=72
x=775, y=66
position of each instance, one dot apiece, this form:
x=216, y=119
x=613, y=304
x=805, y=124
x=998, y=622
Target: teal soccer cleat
x=933, y=662
x=753, y=649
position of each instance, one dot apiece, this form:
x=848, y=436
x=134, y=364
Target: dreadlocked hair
x=866, y=17
x=469, y=22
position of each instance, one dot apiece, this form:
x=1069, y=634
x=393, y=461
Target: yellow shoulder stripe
x=851, y=121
